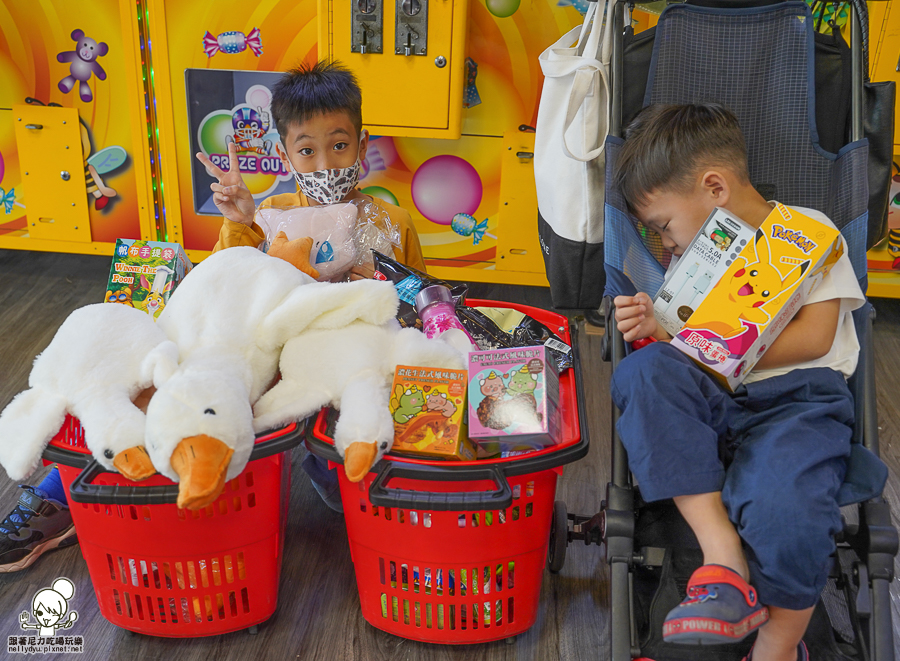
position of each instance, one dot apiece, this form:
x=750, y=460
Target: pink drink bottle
x=437, y=311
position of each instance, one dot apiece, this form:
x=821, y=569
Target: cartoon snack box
x=144, y=274
x=735, y=288
x=428, y=406
x=513, y=399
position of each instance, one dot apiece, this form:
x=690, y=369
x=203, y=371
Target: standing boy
x=318, y=114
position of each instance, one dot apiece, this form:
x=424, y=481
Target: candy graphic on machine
x=232, y=42
x=445, y=185
x=471, y=97
x=8, y=200
x=466, y=225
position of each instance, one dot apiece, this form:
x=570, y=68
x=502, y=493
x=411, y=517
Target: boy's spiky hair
x=309, y=90
x=666, y=146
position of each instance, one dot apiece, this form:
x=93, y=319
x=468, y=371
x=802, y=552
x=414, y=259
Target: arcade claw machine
x=75, y=137
x=450, y=93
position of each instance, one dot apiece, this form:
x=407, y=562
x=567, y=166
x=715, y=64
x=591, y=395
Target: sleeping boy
x=755, y=473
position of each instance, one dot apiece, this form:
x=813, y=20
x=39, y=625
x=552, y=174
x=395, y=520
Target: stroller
x=650, y=549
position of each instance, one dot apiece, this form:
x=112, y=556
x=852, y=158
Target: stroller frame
x=874, y=540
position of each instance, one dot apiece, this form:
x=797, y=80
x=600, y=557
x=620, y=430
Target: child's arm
x=635, y=320
x=808, y=336
x=230, y=195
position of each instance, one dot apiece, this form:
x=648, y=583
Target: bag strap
x=581, y=87
x=586, y=30
x=593, y=19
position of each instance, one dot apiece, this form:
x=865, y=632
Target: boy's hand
x=230, y=194
x=634, y=318
x=362, y=272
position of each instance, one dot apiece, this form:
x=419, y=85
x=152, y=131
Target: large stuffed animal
x=350, y=368
x=230, y=318
x=99, y=361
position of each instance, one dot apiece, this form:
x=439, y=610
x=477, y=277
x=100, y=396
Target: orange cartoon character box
x=428, y=406
x=735, y=288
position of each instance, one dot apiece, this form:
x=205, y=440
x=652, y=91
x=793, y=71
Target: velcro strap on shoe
x=710, y=574
x=35, y=503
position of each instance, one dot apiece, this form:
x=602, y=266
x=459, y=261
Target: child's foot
x=37, y=524
x=802, y=653
x=720, y=607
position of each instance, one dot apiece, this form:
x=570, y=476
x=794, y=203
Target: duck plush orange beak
x=201, y=463
x=294, y=252
x=134, y=463
x=358, y=459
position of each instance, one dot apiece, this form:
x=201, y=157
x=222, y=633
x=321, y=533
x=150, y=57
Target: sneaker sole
x=709, y=631
x=66, y=539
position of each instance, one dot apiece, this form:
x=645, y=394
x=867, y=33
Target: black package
x=408, y=282
x=530, y=332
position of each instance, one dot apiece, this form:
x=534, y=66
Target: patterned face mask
x=328, y=186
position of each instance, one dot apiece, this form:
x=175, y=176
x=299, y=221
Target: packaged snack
x=409, y=282
x=428, y=406
x=735, y=288
x=513, y=398
x=144, y=274
x=524, y=331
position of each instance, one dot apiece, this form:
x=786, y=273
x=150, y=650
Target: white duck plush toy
x=352, y=369
x=230, y=318
x=100, y=359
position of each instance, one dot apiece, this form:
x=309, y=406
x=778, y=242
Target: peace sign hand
x=230, y=194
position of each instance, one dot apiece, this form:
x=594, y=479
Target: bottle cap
x=432, y=294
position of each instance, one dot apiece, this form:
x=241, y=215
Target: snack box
x=428, y=406
x=513, y=398
x=144, y=274
x=735, y=288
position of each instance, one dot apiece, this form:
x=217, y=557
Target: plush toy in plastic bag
x=331, y=228
x=343, y=234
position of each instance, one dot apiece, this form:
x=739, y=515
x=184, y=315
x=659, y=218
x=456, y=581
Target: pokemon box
x=428, y=406
x=513, y=397
x=735, y=288
x=144, y=273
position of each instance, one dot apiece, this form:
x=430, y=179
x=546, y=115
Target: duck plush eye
x=108, y=454
x=384, y=445
x=210, y=412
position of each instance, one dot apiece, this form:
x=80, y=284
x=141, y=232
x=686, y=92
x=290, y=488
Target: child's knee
x=650, y=366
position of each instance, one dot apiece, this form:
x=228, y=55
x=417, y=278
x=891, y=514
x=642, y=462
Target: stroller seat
x=759, y=61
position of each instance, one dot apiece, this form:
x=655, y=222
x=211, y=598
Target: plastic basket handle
x=499, y=498
x=84, y=491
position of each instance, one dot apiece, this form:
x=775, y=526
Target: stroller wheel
x=559, y=534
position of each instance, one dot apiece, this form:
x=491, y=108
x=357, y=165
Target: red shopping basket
x=164, y=571
x=454, y=552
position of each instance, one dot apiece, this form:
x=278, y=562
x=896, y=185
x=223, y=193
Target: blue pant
x=324, y=480
x=777, y=449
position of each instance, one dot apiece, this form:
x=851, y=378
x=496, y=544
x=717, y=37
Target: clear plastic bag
x=374, y=231
x=343, y=234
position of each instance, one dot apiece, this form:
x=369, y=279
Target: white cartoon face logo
x=49, y=606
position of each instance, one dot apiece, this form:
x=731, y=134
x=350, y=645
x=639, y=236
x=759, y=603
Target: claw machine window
x=234, y=106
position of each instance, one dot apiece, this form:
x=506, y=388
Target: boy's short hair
x=667, y=145
x=309, y=90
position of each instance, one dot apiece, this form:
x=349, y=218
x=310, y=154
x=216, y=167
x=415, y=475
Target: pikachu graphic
x=741, y=296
